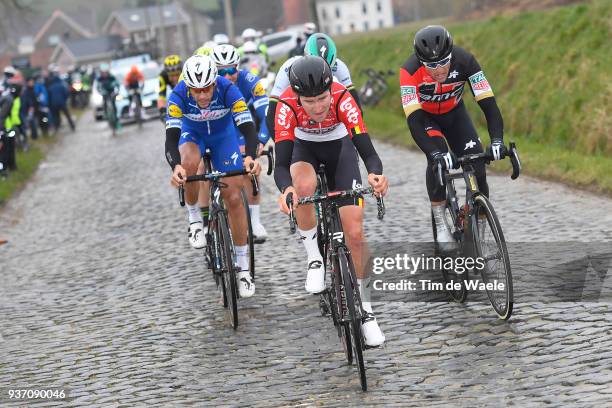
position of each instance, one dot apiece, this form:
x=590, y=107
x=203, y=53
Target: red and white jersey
x=291, y=120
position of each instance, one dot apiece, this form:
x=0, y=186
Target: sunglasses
x=441, y=63
x=227, y=71
x=202, y=90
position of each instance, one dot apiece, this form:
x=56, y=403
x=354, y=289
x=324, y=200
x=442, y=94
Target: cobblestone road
x=101, y=294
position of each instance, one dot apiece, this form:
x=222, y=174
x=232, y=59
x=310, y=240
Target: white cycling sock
x=364, y=293
x=194, y=213
x=241, y=257
x=309, y=238
x=254, y=214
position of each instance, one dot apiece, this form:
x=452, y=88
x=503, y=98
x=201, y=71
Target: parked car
x=280, y=43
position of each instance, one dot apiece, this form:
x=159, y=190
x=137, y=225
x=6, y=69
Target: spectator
x=30, y=107
x=58, y=101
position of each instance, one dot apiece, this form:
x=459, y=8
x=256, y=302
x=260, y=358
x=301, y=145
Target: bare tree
x=13, y=13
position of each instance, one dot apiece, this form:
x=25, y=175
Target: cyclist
x=201, y=113
x=432, y=82
x=298, y=50
x=250, y=35
x=227, y=59
x=168, y=79
x=318, y=121
x=206, y=48
x=108, y=87
x=221, y=38
x=318, y=44
x=133, y=81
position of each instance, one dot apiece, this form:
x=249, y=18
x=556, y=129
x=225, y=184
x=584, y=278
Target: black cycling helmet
x=310, y=75
x=432, y=43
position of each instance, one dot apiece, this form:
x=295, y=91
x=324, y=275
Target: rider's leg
x=259, y=231
x=225, y=155
x=190, y=157
x=346, y=176
x=463, y=139
x=203, y=196
x=305, y=182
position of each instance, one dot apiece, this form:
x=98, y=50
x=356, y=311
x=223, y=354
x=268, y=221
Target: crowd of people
x=33, y=105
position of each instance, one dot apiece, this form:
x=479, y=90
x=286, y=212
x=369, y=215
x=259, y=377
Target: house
x=35, y=50
x=86, y=51
x=62, y=27
x=159, y=30
x=346, y=16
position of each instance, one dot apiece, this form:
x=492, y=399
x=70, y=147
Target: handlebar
x=270, y=154
x=332, y=196
x=215, y=176
x=511, y=153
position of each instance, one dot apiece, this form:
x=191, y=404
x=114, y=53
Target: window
x=352, y=26
x=381, y=24
x=338, y=29
x=53, y=39
x=365, y=26
x=378, y=6
x=337, y=12
x=323, y=14
x=364, y=8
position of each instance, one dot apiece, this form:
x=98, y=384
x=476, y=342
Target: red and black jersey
x=421, y=91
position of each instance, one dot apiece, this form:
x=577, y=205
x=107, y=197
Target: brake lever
x=289, y=202
x=270, y=155
x=181, y=193
x=515, y=160
x=440, y=174
x=380, y=202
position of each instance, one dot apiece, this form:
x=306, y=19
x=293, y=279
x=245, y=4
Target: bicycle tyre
x=138, y=112
x=250, y=237
x=504, y=307
x=460, y=295
x=350, y=287
x=229, y=271
x=339, y=307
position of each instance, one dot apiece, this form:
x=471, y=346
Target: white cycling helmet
x=221, y=38
x=310, y=28
x=225, y=55
x=199, y=71
x=249, y=47
x=250, y=34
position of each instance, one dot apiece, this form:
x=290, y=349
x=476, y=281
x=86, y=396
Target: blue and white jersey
x=226, y=108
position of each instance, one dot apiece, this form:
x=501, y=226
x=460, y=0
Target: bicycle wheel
x=492, y=248
x=449, y=276
x=338, y=300
x=353, y=314
x=250, y=237
x=228, y=269
x=138, y=111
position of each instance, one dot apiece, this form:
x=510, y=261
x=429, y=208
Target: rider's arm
x=172, y=152
x=483, y=93
x=343, y=75
x=260, y=103
x=355, y=96
x=350, y=115
x=244, y=122
x=161, y=94
x=495, y=122
x=284, y=128
x=415, y=115
x=174, y=122
x=272, y=102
